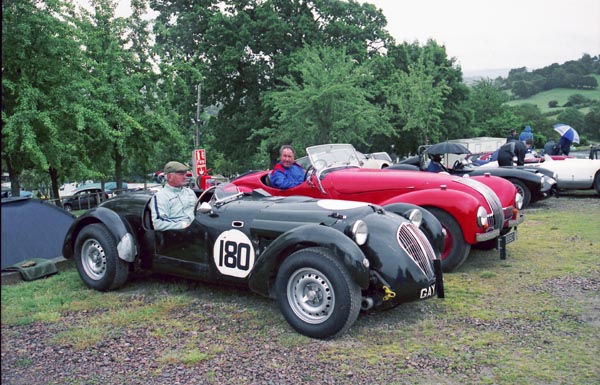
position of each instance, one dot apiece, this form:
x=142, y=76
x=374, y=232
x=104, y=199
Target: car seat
x=266, y=179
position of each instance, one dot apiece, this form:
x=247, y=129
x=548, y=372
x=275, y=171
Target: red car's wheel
x=456, y=249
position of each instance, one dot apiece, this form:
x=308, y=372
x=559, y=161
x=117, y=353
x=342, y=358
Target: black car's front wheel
x=316, y=294
x=97, y=261
x=456, y=249
x=523, y=190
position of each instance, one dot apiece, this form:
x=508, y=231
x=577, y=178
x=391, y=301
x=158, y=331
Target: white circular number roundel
x=233, y=254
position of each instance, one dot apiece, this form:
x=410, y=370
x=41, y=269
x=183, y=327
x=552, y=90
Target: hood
x=346, y=181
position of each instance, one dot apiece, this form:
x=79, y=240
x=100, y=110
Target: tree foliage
x=42, y=81
x=326, y=103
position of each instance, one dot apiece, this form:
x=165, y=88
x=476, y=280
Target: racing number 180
x=234, y=255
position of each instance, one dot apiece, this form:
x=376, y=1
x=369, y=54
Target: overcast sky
x=498, y=34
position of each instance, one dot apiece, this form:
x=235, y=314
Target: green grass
x=526, y=319
x=561, y=95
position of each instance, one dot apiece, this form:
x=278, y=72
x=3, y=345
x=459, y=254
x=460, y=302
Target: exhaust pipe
x=366, y=303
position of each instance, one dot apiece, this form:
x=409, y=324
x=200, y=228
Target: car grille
x=496, y=218
x=416, y=245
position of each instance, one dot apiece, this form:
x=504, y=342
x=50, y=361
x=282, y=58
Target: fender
x=262, y=277
x=117, y=227
x=431, y=226
x=465, y=206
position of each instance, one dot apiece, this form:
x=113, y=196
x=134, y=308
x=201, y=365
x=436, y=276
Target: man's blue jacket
x=284, y=178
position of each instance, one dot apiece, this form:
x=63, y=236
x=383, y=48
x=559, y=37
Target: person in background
x=173, y=206
x=512, y=135
x=564, y=146
x=549, y=147
x=526, y=134
x=436, y=164
x=287, y=173
x=511, y=149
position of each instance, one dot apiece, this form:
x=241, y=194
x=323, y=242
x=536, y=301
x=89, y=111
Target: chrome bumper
x=487, y=236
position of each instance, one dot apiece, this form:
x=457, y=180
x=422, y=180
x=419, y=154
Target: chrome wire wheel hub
x=310, y=296
x=93, y=259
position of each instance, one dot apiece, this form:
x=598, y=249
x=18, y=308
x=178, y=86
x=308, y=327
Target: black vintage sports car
x=322, y=260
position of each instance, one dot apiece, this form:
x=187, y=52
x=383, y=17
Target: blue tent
x=32, y=228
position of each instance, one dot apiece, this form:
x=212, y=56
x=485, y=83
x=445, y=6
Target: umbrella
x=567, y=131
x=447, y=148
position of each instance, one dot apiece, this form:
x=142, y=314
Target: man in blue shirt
x=287, y=173
x=436, y=164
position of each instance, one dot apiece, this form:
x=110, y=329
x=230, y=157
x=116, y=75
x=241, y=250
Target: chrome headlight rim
x=359, y=232
x=482, y=217
x=518, y=201
x=415, y=216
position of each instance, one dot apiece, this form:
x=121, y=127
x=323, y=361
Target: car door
x=183, y=252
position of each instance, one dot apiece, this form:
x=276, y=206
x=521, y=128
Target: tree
x=125, y=94
x=491, y=116
x=418, y=102
x=571, y=116
x=244, y=48
x=42, y=82
x=592, y=122
x=327, y=102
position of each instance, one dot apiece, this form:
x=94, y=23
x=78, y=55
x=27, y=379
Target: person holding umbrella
x=564, y=145
x=568, y=135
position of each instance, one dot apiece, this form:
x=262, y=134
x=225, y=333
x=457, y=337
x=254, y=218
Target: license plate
x=506, y=239
x=511, y=237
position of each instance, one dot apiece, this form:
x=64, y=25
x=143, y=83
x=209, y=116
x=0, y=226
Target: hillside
x=561, y=95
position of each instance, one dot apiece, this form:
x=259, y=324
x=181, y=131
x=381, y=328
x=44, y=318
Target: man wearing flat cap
x=173, y=206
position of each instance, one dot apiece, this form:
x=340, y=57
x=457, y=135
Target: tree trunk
x=13, y=175
x=118, y=171
x=54, y=183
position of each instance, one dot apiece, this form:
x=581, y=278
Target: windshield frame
x=327, y=156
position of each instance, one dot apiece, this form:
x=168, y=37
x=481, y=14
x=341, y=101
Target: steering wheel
x=201, y=197
x=458, y=165
x=308, y=170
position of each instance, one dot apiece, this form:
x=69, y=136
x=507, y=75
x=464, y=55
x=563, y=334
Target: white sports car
x=571, y=173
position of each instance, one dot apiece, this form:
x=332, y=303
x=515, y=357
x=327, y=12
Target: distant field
x=561, y=95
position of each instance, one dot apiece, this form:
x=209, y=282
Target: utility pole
x=198, y=108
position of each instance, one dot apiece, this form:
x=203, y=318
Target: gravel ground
x=253, y=356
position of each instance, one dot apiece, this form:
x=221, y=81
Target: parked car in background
x=321, y=260
x=487, y=213
x=482, y=158
x=533, y=185
x=571, y=173
x=85, y=199
x=159, y=176
x=22, y=194
x=109, y=187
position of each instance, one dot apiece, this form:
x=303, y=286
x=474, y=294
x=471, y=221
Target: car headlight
x=518, y=201
x=415, y=217
x=482, y=217
x=359, y=232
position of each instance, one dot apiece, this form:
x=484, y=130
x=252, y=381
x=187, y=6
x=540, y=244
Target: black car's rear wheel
x=68, y=207
x=456, y=249
x=316, y=294
x=97, y=261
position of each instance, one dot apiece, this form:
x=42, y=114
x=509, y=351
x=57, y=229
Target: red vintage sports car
x=482, y=210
